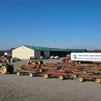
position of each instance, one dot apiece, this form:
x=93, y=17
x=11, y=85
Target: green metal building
x=26, y=51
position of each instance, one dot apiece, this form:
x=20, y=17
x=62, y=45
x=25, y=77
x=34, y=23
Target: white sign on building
x=86, y=56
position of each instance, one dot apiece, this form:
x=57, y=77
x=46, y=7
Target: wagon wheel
x=46, y=76
x=81, y=79
x=31, y=74
x=3, y=69
x=98, y=81
x=75, y=75
x=40, y=70
x=84, y=71
x=61, y=77
x=18, y=73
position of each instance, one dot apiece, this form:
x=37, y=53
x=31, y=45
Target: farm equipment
x=90, y=64
x=65, y=59
x=32, y=68
x=60, y=73
x=79, y=69
x=90, y=77
x=56, y=70
x=6, y=68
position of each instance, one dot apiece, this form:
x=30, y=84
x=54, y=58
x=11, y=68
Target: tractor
x=6, y=68
x=6, y=65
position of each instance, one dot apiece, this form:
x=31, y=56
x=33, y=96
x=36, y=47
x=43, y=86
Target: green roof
x=76, y=50
x=55, y=49
x=45, y=48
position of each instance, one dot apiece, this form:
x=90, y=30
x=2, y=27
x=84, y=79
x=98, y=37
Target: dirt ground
x=24, y=88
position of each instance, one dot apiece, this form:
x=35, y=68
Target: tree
x=1, y=53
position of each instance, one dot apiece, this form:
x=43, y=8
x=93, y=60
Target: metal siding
x=47, y=54
x=23, y=52
x=37, y=54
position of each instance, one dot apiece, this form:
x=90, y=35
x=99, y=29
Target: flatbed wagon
x=30, y=68
x=31, y=73
x=90, y=77
x=58, y=73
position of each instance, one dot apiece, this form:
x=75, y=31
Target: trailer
x=31, y=73
x=76, y=67
x=65, y=69
x=31, y=68
x=90, y=77
x=57, y=73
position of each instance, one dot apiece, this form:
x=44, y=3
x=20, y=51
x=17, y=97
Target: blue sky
x=50, y=23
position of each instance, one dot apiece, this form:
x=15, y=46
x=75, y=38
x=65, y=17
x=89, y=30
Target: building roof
x=45, y=48
x=76, y=50
x=54, y=49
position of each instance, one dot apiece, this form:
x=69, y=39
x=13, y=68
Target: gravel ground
x=24, y=88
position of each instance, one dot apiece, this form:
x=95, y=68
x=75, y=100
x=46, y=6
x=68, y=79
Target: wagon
x=31, y=68
x=59, y=73
x=31, y=73
x=90, y=77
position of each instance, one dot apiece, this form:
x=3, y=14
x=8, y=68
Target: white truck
x=88, y=57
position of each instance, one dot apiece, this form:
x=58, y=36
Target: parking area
x=24, y=88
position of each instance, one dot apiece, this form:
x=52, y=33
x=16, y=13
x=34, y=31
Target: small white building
x=25, y=52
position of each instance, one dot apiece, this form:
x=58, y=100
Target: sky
x=50, y=23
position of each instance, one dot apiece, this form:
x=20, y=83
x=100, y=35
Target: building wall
x=38, y=54
x=23, y=53
x=47, y=53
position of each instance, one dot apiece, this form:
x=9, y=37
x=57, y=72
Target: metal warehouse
x=26, y=51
